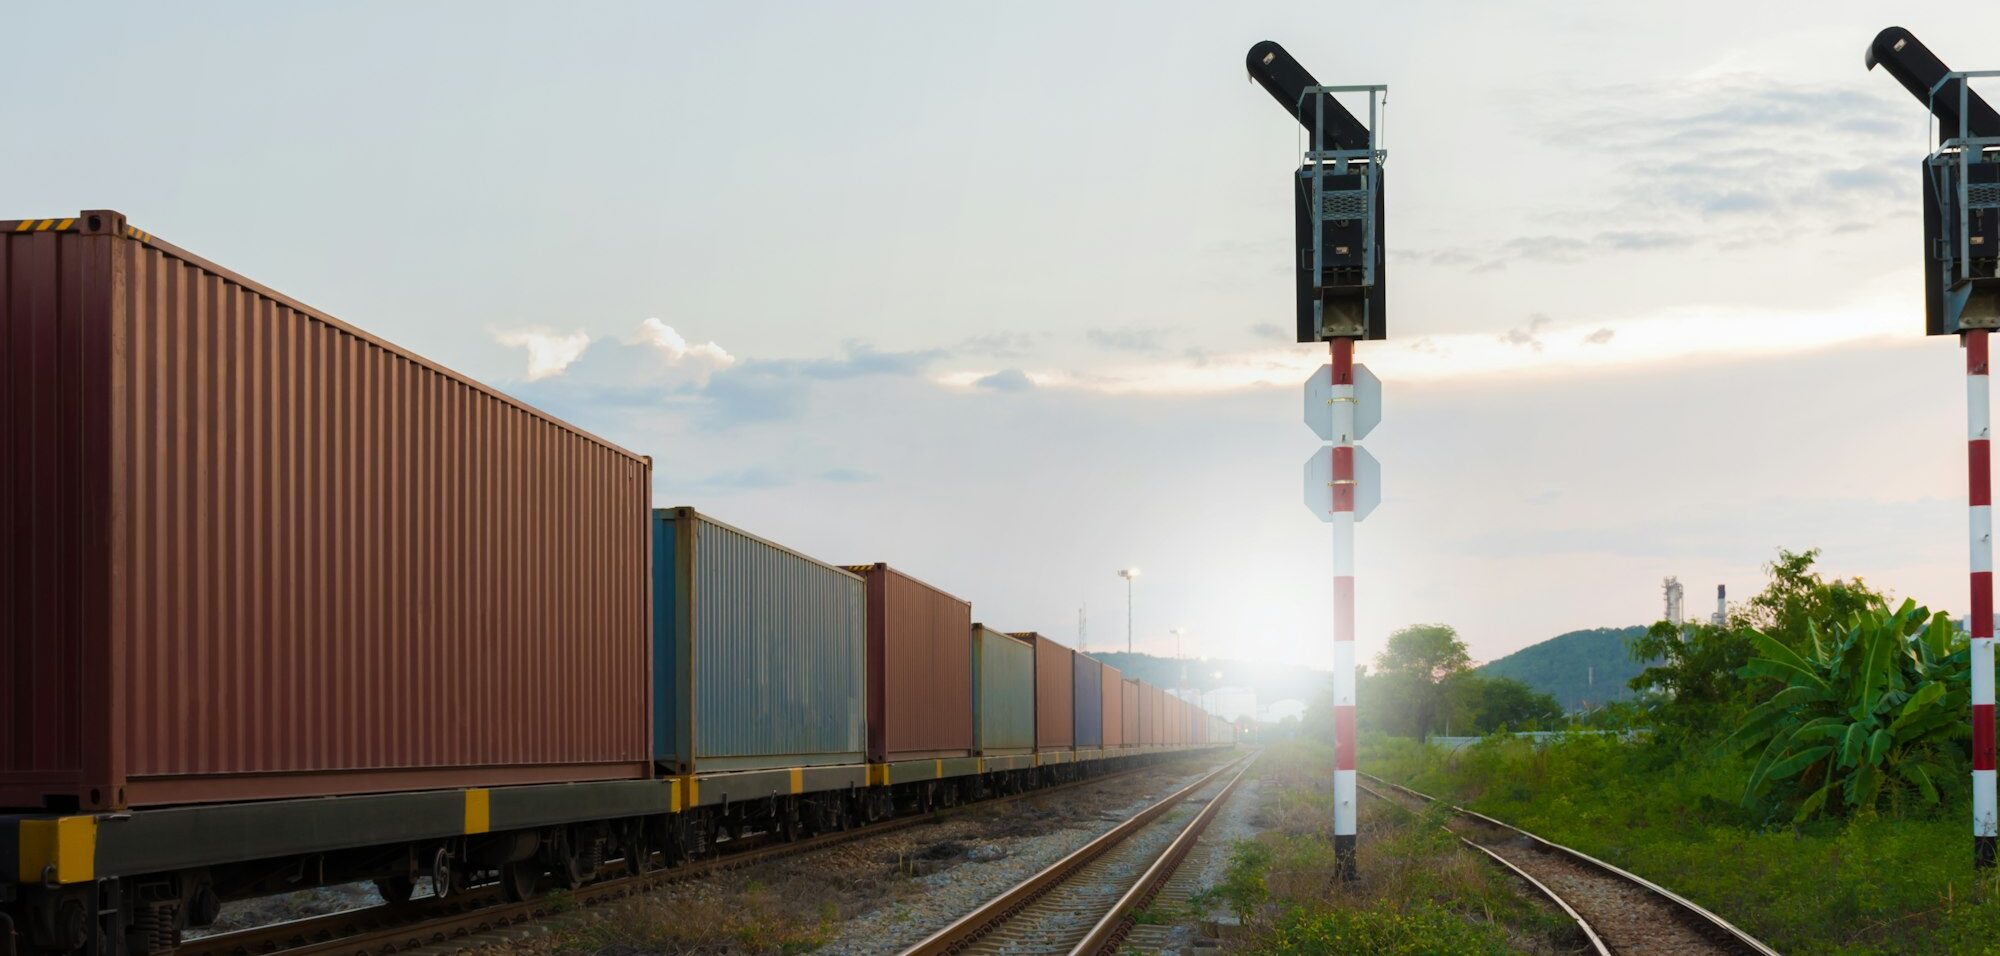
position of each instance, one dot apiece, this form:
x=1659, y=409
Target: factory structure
x=1676, y=611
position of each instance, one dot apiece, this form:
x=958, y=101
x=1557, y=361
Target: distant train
x=286, y=605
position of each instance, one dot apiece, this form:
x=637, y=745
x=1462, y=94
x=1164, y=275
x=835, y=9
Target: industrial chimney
x=1721, y=606
x=1673, y=588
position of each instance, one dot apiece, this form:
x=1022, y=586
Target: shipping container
x=1088, y=695
x=1003, y=693
x=1112, y=690
x=1055, y=693
x=919, y=668
x=760, y=652
x=252, y=551
x=1149, y=716
x=1129, y=716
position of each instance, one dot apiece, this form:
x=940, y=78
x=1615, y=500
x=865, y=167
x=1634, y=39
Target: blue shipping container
x=1089, y=702
x=758, y=652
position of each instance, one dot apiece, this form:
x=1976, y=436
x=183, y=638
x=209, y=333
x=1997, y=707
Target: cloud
x=662, y=336
x=1006, y=380
x=1537, y=346
x=998, y=345
x=1124, y=340
x=1273, y=331
x=1528, y=334
x=657, y=367
x=549, y=353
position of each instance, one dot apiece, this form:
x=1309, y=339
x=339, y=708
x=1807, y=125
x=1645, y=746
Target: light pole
x=1128, y=574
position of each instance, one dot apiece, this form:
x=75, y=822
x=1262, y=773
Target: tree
x=1694, y=682
x=1483, y=705
x=1417, y=662
x=1695, y=685
x=1797, y=598
x=1875, y=708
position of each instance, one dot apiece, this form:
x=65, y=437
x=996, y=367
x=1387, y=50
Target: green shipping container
x=1003, y=693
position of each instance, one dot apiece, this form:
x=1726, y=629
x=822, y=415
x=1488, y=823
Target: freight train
x=286, y=605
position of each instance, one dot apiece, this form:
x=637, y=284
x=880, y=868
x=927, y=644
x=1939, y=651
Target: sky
x=1001, y=294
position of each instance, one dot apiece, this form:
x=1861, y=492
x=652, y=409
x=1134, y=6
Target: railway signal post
x=1338, y=219
x=1961, y=196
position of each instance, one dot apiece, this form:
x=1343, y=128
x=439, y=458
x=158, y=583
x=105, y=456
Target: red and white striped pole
x=1979, y=493
x=1343, y=404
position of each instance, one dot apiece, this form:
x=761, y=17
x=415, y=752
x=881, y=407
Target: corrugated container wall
x=251, y=551
x=759, y=651
x=1088, y=695
x=1055, y=693
x=1003, y=693
x=1113, y=692
x=919, y=668
x=1149, y=716
x=1131, y=735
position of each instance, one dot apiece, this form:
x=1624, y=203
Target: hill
x=1576, y=668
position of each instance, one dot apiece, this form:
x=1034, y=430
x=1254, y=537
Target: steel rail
x=970, y=928
x=1110, y=930
x=377, y=930
x=1705, y=922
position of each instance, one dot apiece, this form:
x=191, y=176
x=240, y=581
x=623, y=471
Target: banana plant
x=1866, y=711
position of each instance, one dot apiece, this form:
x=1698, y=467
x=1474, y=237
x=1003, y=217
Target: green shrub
x=1864, y=716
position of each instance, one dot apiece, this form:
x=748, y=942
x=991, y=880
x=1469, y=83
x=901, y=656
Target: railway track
x=1617, y=911
x=1085, y=902
x=429, y=922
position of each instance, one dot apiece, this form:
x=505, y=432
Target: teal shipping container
x=1003, y=693
x=758, y=652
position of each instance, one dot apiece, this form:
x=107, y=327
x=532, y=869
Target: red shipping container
x=1129, y=715
x=255, y=552
x=1114, y=701
x=919, y=668
x=1055, y=693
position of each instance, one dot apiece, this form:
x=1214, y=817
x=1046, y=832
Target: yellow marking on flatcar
x=44, y=227
x=64, y=225
x=62, y=849
x=691, y=791
x=940, y=769
x=478, y=810
x=798, y=780
x=878, y=774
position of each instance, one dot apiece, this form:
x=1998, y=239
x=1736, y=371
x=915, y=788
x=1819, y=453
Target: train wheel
x=395, y=890
x=519, y=880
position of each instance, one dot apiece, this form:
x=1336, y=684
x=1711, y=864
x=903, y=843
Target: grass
x=1897, y=882
x=748, y=918
x=1419, y=892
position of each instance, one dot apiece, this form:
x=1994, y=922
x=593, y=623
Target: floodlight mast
x=1961, y=194
x=1338, y=218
